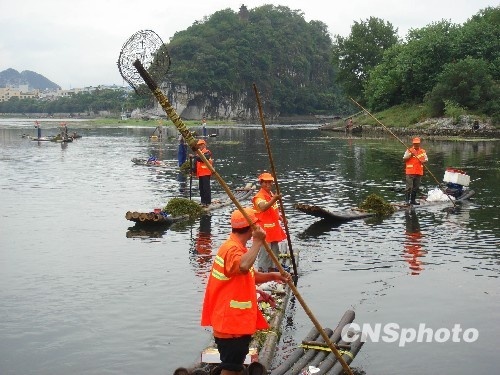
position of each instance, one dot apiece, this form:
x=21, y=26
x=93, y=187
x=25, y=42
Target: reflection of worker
x=265, y=204
x=414, y=159
x=413, y=243
x=204, y=240
x=230, y=303
x=203, y=173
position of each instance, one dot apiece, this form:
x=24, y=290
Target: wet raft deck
x=315, y=353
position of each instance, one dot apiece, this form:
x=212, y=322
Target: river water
x=84, y=292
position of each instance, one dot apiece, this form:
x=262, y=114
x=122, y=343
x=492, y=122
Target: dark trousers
x=412, y=183
x=205, y=192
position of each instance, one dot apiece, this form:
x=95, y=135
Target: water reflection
x=182, y=179
x=145, y=232
x=319, y=228
x=201, y=249
x=413, y=250
x=103, y=273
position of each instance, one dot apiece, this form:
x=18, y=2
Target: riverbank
x=466, y=126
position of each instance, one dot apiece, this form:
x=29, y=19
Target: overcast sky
x=76, y=43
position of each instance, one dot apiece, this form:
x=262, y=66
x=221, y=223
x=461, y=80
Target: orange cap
x=416, y=140
x=201, y=142
x=239, y=221
x=266, y=177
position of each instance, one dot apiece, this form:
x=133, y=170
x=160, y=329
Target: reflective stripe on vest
x=240, y=305
x=216, y=273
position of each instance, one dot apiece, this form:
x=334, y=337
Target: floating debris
x=183, y=206
x=376, y=204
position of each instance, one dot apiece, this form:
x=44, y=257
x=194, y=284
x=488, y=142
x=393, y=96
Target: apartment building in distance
x=25, y=92
x=21, y=92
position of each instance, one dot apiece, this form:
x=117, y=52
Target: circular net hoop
x=147, y=47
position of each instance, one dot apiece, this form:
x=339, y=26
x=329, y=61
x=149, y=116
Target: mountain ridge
x=32, y=79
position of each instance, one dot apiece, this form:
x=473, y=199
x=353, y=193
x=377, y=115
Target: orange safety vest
x=414, y=163
x=230, y=304
x=201, y=168
x=269, y=219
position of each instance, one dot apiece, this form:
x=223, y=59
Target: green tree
x=479, y=38
x=467, y=83
x=361, y=51
x=412, y=70
x=289, y=59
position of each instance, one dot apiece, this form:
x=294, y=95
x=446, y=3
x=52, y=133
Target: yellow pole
x=179, y=124
x=273, y=170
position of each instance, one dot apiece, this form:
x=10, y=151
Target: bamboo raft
x=313, y=350
x=159, y=217
x=349, y=214
x=314, y=355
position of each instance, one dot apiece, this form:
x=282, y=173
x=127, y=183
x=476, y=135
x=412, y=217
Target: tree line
x=300, y=69
x=86, y=102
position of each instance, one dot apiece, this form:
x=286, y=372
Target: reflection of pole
x=292, y=256
x=190, y=176
x=181, y=127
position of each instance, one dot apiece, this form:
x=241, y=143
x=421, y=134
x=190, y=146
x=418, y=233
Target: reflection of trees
x=413, y=243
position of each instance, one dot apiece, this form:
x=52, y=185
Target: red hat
x=416, y=140
x=239, y=221
x=201, y=142
x=266, y=177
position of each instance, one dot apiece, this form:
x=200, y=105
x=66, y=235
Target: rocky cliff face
x=195, y=105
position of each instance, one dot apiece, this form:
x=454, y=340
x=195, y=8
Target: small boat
x=58, y=139
x=158, y=217
x=42, y=139
x=154, y=162
x=342, y=129
x=456, y=190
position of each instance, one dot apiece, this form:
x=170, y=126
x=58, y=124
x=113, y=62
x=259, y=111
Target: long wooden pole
x=395, y=136
x=179, y=124
x=273, y=170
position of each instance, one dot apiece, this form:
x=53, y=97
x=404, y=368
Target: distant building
x=20, y=92
x=24, y=92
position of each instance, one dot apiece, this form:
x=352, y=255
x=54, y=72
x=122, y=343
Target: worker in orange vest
x=265, y=204
x=414, y=159
x=230, y=303
x=203, y=173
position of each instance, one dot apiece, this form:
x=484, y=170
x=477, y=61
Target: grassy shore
x=407, y=115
